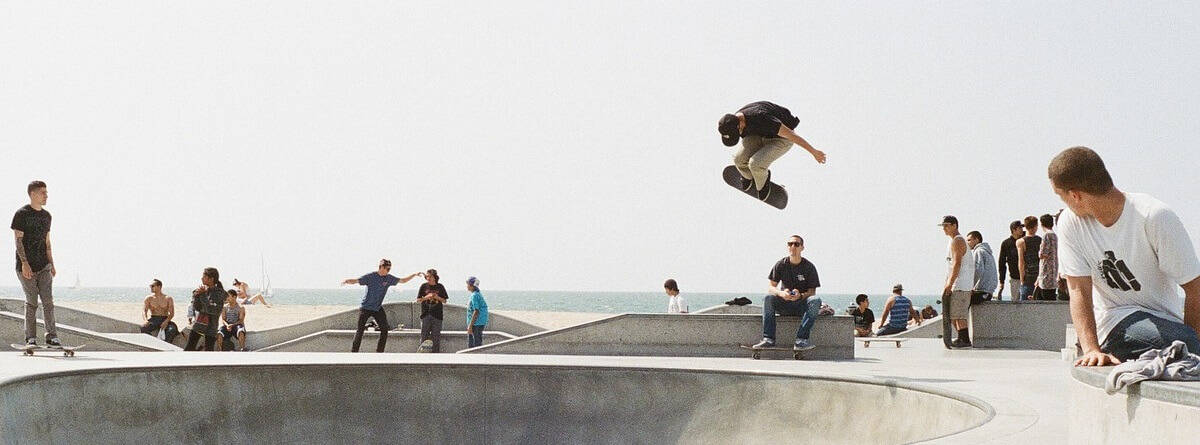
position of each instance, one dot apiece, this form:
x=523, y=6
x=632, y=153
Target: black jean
x=380, y=319
x=210, y=341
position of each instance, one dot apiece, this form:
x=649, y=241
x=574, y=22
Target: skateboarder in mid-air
x=766, y=132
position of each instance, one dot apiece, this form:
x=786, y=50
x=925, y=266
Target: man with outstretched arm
x=1123, y=254
x=794, y=284
x=766, y=132
x=35, y=263
x=377, y=284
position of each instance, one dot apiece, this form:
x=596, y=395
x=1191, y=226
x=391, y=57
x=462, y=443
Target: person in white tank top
x=960, y=278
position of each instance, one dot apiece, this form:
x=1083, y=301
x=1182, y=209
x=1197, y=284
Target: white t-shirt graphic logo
x=1116, y=273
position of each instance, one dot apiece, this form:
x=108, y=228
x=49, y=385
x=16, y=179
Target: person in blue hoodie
x=477, y=314
x=986, y=280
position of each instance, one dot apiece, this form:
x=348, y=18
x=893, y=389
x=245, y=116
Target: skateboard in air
x=776, y=196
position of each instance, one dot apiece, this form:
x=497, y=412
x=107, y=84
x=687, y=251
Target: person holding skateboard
x=35, y=263
x=377, y=284
x=794, y=283
x=766, y=133
x=959, y=280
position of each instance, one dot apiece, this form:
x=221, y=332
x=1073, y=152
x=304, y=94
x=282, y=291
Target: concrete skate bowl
x=469, y=403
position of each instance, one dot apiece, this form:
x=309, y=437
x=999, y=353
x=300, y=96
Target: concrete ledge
x=75, y=317
x=679, y=335
x=1034, y=325
x=405, y=340
x=12, y=326
x=1152, y=412
x=285, y=402
x=731, y=309
x=406, y=313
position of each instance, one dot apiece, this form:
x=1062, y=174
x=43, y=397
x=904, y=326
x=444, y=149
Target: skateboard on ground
x=776, y=195
x=67, y=351
x=756, y=353
x=866, y=341
x=426, y=346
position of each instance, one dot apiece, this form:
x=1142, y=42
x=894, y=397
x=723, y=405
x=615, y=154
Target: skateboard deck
x=947, y=327
x=756, y=353
x=426, y=346
x=866, y=341
x=776, y=195
x=67, y=351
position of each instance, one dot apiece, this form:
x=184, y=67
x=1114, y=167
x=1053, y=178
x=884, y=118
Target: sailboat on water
x=77, y=284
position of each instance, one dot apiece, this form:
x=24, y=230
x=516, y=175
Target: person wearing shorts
x=233, y=321
x=960, y=278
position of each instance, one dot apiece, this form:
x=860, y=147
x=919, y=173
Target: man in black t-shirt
x=864, y=318
x=432, y=296
x=766, y=133
x=35, y=263
x=794, y=283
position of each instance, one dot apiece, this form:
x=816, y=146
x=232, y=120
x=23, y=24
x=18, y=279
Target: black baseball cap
x=1015, y=225
x=728, y=127
x=948, y=220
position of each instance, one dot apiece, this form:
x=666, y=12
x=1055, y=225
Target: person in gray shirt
x=986, y=279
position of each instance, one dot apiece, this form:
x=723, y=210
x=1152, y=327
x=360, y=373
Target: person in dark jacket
x=1010, y=267
x=207, y=300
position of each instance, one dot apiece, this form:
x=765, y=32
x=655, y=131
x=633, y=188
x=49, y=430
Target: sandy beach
x=259, y=317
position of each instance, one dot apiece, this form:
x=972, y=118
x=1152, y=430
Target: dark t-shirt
x=36, y=225
x=431, y=308
x=377, y=287
x=1008, y=259
x=1033, y=243
x=800, y=277
x=863, y=319
x=764, y=118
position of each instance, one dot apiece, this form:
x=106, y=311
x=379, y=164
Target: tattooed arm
x=26, y=271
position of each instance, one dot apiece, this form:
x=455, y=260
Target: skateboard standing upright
x=776, y=196
x=947, y=326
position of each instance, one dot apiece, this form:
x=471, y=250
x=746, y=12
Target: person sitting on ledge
x=863, y=317
x=1132, y=251
x=233, y=322
x=896, y=312
x=157, y=310
x=794, y=283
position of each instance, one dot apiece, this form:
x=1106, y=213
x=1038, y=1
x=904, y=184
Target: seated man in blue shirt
x=895, y=313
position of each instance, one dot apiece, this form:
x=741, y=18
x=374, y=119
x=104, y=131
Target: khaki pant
x=40, y=287
x=756, y=155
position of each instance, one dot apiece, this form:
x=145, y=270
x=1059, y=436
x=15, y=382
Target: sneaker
x=802, y=344
x=52, y=342
x=959, y=343
x=31, y=341
x=747, y=184
x=764, y=193
x=765, y=343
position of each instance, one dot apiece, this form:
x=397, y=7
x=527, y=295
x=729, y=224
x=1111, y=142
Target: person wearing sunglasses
x=794, y=284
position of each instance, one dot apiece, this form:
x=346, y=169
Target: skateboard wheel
x=69, y=353
x=797, y=356
x=28, y=352
x=756, y=355
x=897, y=344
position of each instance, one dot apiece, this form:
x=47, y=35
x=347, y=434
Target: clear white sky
x=571, y=145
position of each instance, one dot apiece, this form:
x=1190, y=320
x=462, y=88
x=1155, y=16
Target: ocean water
x=552, y=301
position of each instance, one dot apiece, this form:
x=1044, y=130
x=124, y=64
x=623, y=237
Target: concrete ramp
x=406, y=313
x=407, y=340
x=12, y=327
x=679, y=335
x=463, y=403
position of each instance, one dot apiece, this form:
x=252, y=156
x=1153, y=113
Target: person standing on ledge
x=377, y=284
x=432, y=296
x=959, y=280
x=1132, y=251
x=35, y=263
x=765, y=130
x=794, y=284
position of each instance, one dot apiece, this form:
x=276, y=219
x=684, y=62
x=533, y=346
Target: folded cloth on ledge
x=1170, y=363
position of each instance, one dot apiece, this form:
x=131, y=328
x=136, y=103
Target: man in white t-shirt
x=1123, y=255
